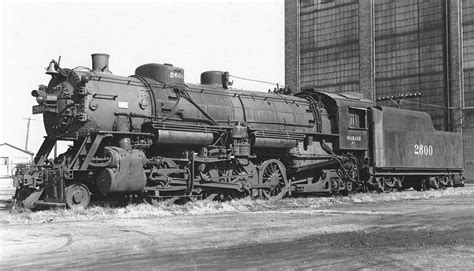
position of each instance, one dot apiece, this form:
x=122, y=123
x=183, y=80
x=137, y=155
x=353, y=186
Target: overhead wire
x=432, y=105
x=401, y=101
x=255, y=80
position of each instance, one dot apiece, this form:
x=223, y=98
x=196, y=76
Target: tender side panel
x=411, y=148
x=407, y=149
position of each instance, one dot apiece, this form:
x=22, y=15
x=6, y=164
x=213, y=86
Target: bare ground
x=409, y=230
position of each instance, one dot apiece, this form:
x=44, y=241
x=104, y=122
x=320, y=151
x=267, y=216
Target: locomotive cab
x=348, y=116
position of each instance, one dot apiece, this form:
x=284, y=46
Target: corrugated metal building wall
x=410, y=53
x=384, y=48
x=329, y=44
x=468, y=61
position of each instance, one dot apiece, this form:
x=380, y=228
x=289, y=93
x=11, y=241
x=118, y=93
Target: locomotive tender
x=153, y=136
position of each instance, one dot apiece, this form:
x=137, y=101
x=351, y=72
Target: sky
x=245, y=38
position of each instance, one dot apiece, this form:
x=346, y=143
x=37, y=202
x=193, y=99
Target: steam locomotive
x=152, y=136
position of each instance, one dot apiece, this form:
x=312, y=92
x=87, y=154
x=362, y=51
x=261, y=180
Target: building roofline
x=10, y=145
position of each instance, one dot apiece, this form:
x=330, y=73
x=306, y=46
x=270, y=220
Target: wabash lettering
x=354, y=138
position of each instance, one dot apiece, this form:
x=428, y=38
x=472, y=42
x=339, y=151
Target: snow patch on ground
x=206, y=207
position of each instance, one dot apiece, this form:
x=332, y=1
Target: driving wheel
x=273, y=173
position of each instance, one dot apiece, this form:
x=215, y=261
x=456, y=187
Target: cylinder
x=273, y=143
x=125, y=172
x=184, y=138
x=100, y=62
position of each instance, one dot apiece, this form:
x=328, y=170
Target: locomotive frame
x=151, y=136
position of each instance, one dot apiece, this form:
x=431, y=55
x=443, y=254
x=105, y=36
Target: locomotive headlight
x=39, y=95
x=40, y=99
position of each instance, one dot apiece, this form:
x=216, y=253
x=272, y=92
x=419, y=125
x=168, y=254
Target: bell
x=51, y=70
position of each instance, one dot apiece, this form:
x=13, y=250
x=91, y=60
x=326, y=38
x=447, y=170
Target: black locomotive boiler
x=152, y=136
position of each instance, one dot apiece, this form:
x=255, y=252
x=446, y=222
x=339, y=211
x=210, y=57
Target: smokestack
x=100, y=62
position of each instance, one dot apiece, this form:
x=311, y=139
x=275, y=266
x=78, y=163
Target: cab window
x=357, y=118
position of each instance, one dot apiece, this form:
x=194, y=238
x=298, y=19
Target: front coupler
x=39, y=186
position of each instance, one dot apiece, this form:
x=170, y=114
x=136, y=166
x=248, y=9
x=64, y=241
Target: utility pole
x=27, y=131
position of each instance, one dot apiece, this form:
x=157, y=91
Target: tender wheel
x=77, y=196
x=397, y=185
x=433, y=183
x=443, y=182
x=273, y=173
x=381, y=185
x=391, y=184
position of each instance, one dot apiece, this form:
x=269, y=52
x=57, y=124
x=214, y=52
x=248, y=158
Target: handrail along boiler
x=153, y=136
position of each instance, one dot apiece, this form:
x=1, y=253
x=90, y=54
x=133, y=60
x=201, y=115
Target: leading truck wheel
x=77, y=196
